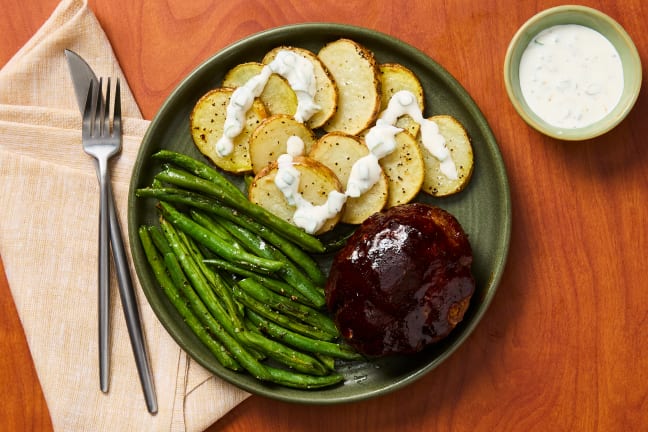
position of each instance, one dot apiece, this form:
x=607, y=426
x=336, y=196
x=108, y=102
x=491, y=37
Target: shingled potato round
x=355, y=72
x=435, y=182
x=326, y=93
x=269, y=140
x=277, y=96
x=316, y=182
x=339, y=151
x=206, y=125
x=405, y=170
x=395, y=77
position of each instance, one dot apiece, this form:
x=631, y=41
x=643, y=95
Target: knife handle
x=131, y=310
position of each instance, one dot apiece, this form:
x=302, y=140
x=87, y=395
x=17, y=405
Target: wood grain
x=24, y=406
x=563, y=345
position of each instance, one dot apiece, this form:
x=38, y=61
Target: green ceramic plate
x=483, y=208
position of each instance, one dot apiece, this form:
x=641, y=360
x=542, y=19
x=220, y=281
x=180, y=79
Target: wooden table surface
x=564, y=345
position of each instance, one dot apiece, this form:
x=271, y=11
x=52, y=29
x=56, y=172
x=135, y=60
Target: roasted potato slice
x=277, y=96
x=395, y=77
x=458, y=143
x=269, y=139
x=339, y=151
x=405, y=170
x=326, y=94
x=356, y=75
x=206, y=125
x=316, y=182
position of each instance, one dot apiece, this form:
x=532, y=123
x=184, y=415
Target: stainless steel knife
x=82, y=74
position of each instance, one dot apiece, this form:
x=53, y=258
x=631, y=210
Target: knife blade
x=82, y=74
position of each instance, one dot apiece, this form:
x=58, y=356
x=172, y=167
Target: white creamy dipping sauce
x=571, y=76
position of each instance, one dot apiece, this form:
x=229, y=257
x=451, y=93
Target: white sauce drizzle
x=366, y=171
x=308, y=216
x=404, y=102
x=295, y=69
x=571, y=76
x=300, y=75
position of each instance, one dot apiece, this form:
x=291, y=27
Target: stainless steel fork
x=102, y=143
x=99, y=142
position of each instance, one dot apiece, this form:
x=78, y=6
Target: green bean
x=254, y=244
x=209, y=310
x=229, y=284
x=334, y=244
x=197, y=279
x=280, y=287
x=215, y=281
x=283, y=354
x=247, y=182
x=277, y=317
x=211, y=206
x=326, y=360
x=212, y=242
x=290, y=273
x=287, y=306
x=296, y=254
x=184, y=179
x=274, y=284
x=214, y=227
x=213, y=289
x=158, y=239
x=160, y=272
x=303, y=381
x=200, y=169
x=300, y=341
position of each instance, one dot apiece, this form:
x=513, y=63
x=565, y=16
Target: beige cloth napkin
x=48, y=231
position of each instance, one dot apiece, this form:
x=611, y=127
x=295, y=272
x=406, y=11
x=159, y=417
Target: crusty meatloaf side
x=403, y=280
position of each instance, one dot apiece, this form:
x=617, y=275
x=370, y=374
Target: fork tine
x=117, y=126
x=106, y=113
x=97, y=129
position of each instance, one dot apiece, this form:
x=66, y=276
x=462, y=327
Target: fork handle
x=131, y=311
x=104, y=280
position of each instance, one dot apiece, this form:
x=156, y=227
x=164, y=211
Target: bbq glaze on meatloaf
x=403, y=280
